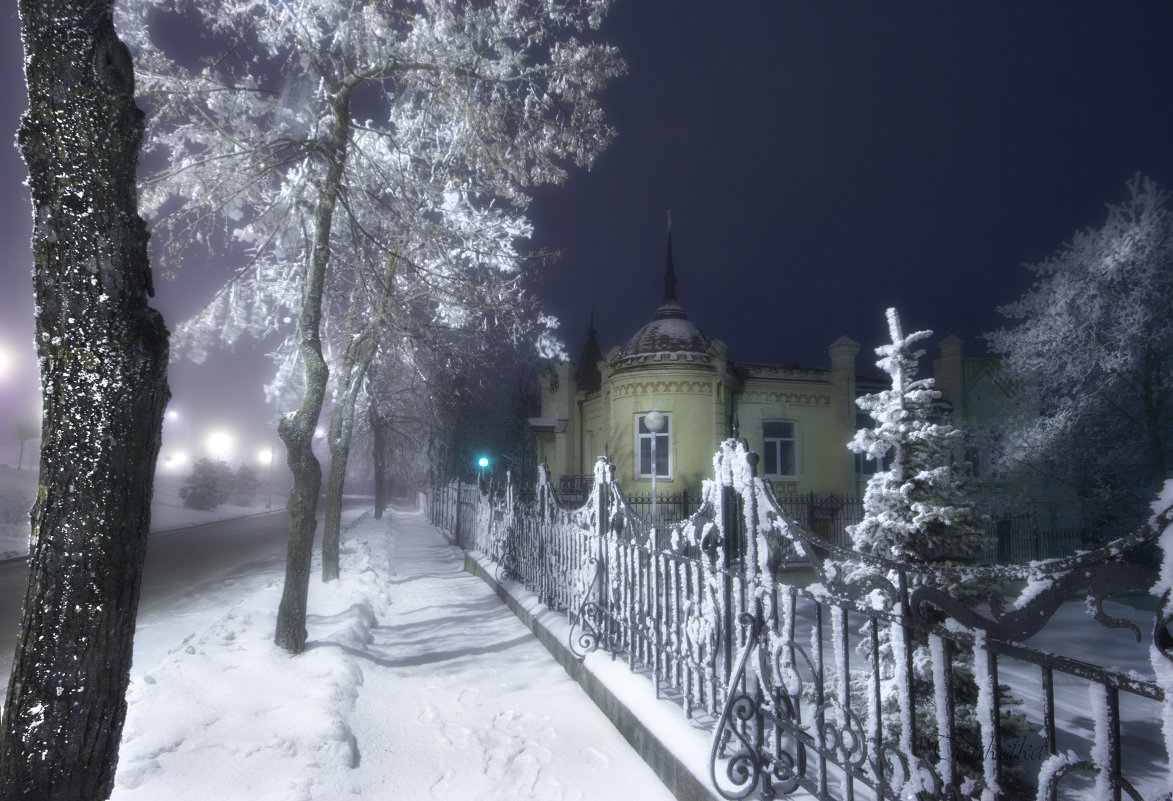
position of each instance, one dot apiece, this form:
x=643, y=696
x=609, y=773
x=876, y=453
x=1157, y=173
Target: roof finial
x=670, y=307
x=669, y=270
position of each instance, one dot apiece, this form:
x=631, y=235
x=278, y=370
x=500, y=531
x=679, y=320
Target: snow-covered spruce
x=917, y=511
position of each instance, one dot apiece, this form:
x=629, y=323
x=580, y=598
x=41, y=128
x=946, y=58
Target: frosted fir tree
x=916, y=509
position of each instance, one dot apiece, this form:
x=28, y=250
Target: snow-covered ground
x=417, y=683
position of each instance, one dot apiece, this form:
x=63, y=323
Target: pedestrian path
x=460, y=700
x=416, y=683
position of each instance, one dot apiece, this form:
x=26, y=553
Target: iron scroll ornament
x=751, y=766
x=587, y=628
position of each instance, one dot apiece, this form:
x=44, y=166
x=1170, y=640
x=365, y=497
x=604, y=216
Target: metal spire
x=670, y=307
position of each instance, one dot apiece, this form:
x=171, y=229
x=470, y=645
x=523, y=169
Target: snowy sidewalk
x=418, y=683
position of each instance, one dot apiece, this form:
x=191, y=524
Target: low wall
x=668, y=764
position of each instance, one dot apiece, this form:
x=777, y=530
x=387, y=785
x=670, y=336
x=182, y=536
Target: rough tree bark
x=297, y=430
x=379, y=456
x=360, y=350
x=103, y=358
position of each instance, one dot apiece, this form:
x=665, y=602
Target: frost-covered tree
x=103, y=360
x=1091, y=351
x=475, y=314
x=916, y=509
x=422, y=126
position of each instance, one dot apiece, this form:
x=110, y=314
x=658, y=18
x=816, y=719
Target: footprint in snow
x=596, y=758
x=441, y=788
x=455, y=735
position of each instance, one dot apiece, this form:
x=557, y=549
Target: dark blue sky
x=822, y=160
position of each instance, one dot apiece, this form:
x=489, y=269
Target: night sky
x=821, y=160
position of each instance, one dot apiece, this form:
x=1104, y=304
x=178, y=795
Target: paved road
x=180, y=563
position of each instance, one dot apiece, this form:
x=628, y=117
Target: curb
x=667, y=765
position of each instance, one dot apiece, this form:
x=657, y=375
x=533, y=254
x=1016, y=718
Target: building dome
x=669, y=335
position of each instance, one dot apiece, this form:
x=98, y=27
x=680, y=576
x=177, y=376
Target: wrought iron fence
x=1013, y=537
x=880, y=680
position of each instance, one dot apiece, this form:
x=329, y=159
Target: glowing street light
x=219, y=444
x=265, y=456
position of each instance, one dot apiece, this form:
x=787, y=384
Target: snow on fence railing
x=874, y=680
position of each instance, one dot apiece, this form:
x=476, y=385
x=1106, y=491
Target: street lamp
x=482, y=463
x=654, y=422
x=265, y=457
x=220, y=445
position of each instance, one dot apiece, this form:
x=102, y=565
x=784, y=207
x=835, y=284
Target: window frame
x=777, y=441
x=663, y=444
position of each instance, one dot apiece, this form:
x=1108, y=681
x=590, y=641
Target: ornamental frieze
x=663, y=387
x=790, y=398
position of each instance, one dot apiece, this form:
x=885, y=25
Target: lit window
x=778, y=445
x=663, y=441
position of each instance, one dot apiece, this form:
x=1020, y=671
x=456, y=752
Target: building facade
x=798, y=419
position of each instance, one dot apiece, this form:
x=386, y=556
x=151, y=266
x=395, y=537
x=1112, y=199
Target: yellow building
x=798, y=419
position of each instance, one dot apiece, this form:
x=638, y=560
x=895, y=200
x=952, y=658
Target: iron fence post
x=730, y=530
x=456, y=526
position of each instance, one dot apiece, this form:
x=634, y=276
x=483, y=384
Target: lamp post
x=266, y=458
x=654, y=422
x=482, y=463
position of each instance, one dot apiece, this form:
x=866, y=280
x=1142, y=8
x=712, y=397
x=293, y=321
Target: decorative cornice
x=663, y=387
x=791, y=398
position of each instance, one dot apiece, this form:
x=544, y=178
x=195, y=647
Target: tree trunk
x=379, y=457
x=354, y=367
x=297, y=430
x=103, y=355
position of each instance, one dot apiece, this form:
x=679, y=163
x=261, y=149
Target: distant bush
x=244, y=492
x=209, y=485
